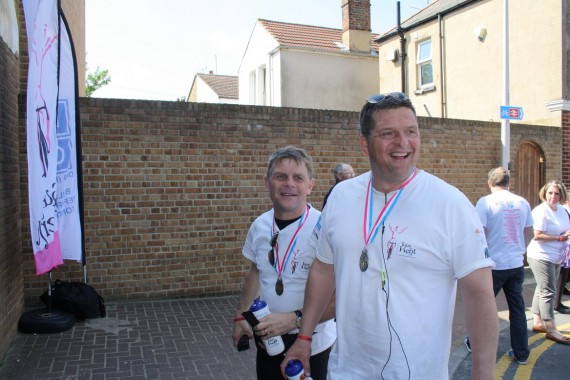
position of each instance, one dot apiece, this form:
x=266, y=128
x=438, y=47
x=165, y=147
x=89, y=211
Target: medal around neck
x=279, y=286
x=363, y=260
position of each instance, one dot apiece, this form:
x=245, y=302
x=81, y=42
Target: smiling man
x=395, y=243
x=277, y=246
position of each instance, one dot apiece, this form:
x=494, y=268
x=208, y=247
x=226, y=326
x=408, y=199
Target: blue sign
x=511, y=113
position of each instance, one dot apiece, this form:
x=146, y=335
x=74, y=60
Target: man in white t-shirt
x=394, y=243
x=507, y=220
x=281, y=257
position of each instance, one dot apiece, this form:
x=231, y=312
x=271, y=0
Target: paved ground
x=173, y=339
x=547, y=360
x=190, y=339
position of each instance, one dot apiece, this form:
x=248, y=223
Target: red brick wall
x=171, y=188
x=11, y=279
x=355, y=15
x=565, y=126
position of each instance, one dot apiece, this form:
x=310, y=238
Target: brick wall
x=565, y=127
x=11, y=279
x=171, y=188
x=355, y=15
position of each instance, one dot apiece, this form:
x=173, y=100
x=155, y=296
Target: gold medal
x=279, y=286
x=364, y=260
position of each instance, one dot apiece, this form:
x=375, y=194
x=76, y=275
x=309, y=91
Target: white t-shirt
x=552, y=223
x=398, y=328
x=295, y=272
x=505, y=216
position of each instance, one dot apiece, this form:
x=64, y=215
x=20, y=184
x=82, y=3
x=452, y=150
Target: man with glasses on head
x=395, y=243
x=341, y=172
x=277, y=246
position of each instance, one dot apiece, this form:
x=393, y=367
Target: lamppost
x=505, y=123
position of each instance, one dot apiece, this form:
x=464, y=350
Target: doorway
x=529, y=172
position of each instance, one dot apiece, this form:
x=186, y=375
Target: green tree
x=96, y=80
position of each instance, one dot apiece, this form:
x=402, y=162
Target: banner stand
x=46, y=320
x=48, y=35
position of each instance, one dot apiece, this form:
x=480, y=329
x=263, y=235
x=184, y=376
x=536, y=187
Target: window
x=425, y=67
x=257, y=86
x=261, y=86
x=252, y=87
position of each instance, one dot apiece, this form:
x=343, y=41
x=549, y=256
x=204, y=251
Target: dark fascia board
x=425, y=20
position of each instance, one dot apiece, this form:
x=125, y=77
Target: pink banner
x=42, y=25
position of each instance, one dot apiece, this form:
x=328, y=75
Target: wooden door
x=529, y=172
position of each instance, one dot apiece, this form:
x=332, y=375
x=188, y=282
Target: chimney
x=356, y=32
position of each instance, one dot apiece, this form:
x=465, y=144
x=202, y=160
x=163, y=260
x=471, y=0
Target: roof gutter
x=436, y=16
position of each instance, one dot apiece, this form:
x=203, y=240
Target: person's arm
x=282, y=323
x=542, y=235
x=482, y=321
x=249, y=292
x=318, y=292
x=528, y=235
x=330, y=309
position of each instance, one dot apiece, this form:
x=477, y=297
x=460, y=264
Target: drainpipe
x=441, y=71
x=402, y=49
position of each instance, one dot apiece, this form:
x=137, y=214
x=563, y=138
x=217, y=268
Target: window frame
x=421, y=62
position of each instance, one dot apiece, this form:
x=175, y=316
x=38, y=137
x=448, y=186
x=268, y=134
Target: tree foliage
x=96, y=80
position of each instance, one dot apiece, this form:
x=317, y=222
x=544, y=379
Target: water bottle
x=294, y=370
x=274, y=346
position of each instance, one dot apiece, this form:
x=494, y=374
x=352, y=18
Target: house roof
x=308, y=36
x=225, y=86
x=430, y=12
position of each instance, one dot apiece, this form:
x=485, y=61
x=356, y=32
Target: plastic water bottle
x=274, y=346
x=294, y=370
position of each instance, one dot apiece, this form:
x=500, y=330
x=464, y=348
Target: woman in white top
x=551, y=231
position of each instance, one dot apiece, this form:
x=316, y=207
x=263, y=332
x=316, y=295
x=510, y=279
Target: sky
x=153, y=49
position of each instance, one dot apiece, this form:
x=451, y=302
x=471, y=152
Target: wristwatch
x=298, y=319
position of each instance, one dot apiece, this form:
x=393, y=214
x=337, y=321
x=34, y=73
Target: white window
x=252, y=86
x=425, y=67
x=261, y=85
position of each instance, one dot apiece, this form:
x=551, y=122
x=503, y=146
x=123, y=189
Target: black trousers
x=269, y=367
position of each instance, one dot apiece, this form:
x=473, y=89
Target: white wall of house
x=9, y=25
x=274, y=82
x=202, y=93
x=256, y=73
x=269, y=75
x=228, y=101
x=327, y=81
x=473, y=69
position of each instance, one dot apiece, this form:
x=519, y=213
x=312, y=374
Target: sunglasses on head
x=374, y=99
x=377, y=99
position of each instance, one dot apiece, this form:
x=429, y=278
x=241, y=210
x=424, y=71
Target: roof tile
x=308, y=36
x=226, y=86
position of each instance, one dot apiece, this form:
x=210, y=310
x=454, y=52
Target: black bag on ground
x=77, y=298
